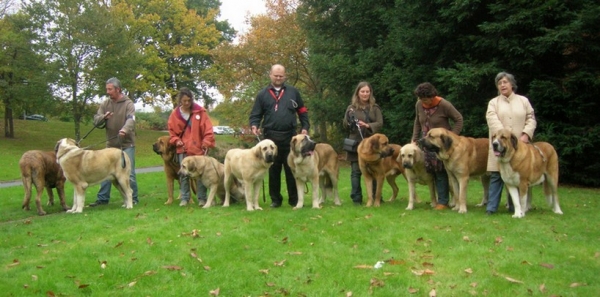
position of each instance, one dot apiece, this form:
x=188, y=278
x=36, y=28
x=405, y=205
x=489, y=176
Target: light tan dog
x=525, y=165
x=377, y=159
x=412, y=159
x=40, y=169
x=168, y=152
x=85, y=168
x=250, y=166
x=463, y=157
x=210, y=172
x=316, y=163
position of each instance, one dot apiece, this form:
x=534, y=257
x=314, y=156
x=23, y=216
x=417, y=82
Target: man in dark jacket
x=275, y=110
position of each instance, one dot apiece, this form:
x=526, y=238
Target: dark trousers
x=442, y=186
x=356, y=192
x=275, y=177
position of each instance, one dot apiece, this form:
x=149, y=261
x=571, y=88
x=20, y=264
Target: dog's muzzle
x=498, y=148
x=387, y=153
x=269, y=158
x=155, y=149
x=428, y=145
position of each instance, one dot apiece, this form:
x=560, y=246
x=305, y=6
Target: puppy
x=210, y=172
x=413, y=161
x=250, y=166
x=40, y=169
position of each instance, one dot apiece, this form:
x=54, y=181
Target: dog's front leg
x=315, y=191
x=462, y=197
x=516, y=199
x=300, y=185
x=211, y=195
x=378, y=189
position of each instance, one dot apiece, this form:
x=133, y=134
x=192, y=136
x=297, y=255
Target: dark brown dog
x=171, y=166
x=41, y=169
x=377, y=159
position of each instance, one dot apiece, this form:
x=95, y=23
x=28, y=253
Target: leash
x=263, y=181
x=100, y=125
x=97, y=143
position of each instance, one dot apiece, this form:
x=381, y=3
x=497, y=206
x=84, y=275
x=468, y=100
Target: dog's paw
x=410, y=207
x=462, y=210
x=518, y=216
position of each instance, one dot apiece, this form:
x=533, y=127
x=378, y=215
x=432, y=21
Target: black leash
x=100, y=125
x=97, y=143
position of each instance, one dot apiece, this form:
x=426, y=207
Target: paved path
x=14, y=183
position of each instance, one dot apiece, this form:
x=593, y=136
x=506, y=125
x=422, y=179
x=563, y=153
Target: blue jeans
x=184, y=187
x=442, y=186
x=495, y=195
x=104, y=193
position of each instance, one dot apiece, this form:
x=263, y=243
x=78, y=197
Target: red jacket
x=198, y=136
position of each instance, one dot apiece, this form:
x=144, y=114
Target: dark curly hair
x=425, y=90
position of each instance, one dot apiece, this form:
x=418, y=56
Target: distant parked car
x=220, y=130
x=36, y=117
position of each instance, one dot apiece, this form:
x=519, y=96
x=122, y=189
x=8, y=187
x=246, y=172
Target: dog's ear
x=258, y=152
x=375, y=143
x=514, y=141
x=191, y=166
x=447, y=142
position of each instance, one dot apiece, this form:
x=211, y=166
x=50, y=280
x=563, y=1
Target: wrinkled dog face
x=436, y=140
x=381, y=143
x=303, y=145
x=408, y=155
x=159, y=146
x=501, y=140
x=267, y=150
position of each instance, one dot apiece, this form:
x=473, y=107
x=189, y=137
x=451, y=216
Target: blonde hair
x=356, y=100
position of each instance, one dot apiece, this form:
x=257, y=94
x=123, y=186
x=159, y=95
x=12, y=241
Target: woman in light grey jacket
x=511, y=111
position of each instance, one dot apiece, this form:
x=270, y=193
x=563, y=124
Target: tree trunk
x=9, y=128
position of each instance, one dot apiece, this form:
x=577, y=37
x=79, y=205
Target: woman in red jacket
x=192, y=133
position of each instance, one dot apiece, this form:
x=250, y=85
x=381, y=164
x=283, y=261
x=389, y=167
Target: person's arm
x=530, y=121
x=456, y=118
x=302, y=113
x=174, y=129
x=129, y=126
x=256, y=114
x=416, y=125
x=491, y=116
x=208, y=136
x=376, y=125
x=100, y=116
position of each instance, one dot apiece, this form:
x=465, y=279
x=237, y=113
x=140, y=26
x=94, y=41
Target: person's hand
x=304, y=131
x=108, y=115
x=122, y=133
x=254, y=130
x=525, y=138
x=179, y=143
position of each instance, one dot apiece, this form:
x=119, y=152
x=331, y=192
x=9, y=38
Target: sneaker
x=183, y=203
x=201, y=202
x=98, y=202
x=357, y=203
x=275, y=204
x=441, y=207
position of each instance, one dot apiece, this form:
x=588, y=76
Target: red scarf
x=436, y=100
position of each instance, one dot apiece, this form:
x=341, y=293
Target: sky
x=235, y=11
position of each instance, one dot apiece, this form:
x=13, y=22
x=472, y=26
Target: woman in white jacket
x=511, y=111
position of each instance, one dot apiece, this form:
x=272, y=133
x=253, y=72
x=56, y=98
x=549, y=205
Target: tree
x=274, y=37
x=23, y=77
x=550, y=46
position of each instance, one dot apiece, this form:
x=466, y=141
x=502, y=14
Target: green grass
x=151, y=251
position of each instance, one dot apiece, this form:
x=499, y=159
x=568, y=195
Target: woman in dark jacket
x=362, y=119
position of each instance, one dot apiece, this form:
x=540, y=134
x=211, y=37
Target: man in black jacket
x=275, y=109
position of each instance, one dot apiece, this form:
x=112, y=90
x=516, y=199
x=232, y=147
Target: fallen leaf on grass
x=573, y=285
x=469, y=270
x=14, y=263
x=466, y=238
x=284, y=240
x=376, y=282
x=172, y=267
x=549, y=266
x=512, y=280
x=474, y=285
x=215, y=292
x=394, y=262
x=597, y=254
x=34, y=277
x=50, y=294
x=294, y=253
x=423, y=272
x=149, y=241
x=543, y=288
x=270, y=284
x=427, y=264
x=264, y=271
x=119, y=244
x=349, y=294
x=149, y=272
x=498, y=240
x=412, y=290
x=207, y=268
x=131, y=284
x=364, y=266
x=388, y=273
x=525, y=262
x=83, y=286
x=280, y=263
x=432, y=293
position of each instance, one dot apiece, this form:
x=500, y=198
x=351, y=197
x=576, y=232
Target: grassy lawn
x=158, y=250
